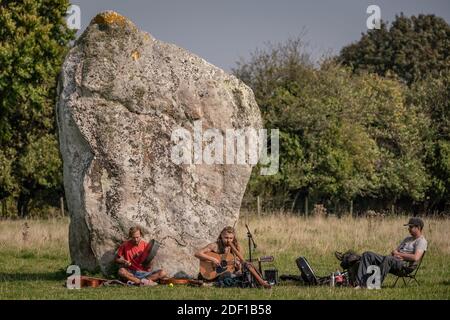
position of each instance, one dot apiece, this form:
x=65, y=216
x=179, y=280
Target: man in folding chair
x=402, y=260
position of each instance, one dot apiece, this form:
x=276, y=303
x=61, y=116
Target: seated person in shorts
x=131, y=257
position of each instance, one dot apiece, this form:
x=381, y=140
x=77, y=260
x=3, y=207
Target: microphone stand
x=250, y=242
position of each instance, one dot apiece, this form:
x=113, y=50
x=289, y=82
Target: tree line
x=368, y=128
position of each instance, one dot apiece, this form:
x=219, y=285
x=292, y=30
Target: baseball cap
x=415, y=222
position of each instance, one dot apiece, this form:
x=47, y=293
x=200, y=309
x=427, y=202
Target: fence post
x=3, y=208
x=258, y=205
x=351, y=208
x=61, y=200
x=306, y=205
x=295, y=200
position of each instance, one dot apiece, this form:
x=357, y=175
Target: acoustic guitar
x=210, y=271
x=91, y=282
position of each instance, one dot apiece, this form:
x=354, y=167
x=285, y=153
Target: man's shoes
x=357, y=288
x=147, y=282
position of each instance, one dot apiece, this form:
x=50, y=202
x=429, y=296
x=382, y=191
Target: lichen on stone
x=111, y=17
x=135, y=55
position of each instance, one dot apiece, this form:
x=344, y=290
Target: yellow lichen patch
x=135, y=55
x=110, y=18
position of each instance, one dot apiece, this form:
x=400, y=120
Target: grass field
x=34, y=257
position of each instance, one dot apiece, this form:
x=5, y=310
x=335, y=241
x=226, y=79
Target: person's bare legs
x=124, y=273
x=157, y=275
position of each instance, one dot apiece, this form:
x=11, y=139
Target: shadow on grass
x=33, y=276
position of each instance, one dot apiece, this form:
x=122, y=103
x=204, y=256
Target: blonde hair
x=227, y=229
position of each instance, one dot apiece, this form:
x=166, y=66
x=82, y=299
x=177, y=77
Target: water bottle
x=332, y=280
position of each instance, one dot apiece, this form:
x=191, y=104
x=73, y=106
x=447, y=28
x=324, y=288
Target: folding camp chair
x=411, y=276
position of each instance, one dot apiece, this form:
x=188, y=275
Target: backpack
x=228, y=280
x=350, y=262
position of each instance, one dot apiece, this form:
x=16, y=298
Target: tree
x=417, y=50
x=33, y=42
x=343, y=136
x=432, y=97
x=410, y=48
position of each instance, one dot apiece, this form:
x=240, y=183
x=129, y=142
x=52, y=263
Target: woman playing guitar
x=217, y=257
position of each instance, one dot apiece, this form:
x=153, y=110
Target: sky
x=222, y=32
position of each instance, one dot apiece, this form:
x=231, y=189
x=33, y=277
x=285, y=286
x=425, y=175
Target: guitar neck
x=263, y=259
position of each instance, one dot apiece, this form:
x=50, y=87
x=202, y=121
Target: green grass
x=37, y=271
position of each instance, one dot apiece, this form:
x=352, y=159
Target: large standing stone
x=121, y=95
